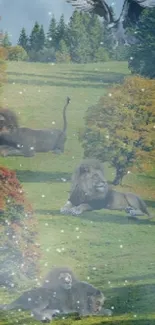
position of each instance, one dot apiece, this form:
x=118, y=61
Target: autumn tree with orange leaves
x=19, y=251
x=120, y=129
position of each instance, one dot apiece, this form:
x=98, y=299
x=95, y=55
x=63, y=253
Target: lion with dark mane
x=90, y=191
x=23, y=141
x=8, y=120
x=88, y=183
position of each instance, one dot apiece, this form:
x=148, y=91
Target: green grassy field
x=116, y=254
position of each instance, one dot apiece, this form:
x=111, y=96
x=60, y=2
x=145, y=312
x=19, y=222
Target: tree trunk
x=119, y=176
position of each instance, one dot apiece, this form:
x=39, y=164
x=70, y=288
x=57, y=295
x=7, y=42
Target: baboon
x=90, y=191
x=59, y=277
x=26, y=142
x=44, y=303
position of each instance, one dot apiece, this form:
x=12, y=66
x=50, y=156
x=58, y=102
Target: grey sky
x=23, y=13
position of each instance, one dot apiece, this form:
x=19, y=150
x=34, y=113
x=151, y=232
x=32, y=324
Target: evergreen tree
x=35, y=37
x=41, y=40
x=63, y=55
x=142, y=54
x=79, y=43
x=52, y=34
x=23, y=39
x=61, y=29
x=5, y=40
x=95, y=32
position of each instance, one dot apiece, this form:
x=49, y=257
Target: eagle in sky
x=130, y=14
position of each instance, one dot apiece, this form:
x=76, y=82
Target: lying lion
x=90, y=191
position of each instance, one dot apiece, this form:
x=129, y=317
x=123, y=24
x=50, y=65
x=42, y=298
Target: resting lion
x=90, y=191
x=88, y=183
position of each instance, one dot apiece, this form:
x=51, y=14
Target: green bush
x=44, y=55
x=62, y=57
x=17, y=53
x=101, y=55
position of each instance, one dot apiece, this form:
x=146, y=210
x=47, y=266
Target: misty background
x=16, y=14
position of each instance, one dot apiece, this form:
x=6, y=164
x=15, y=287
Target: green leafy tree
x=17, y=53
x=51, y=40
x=142, y=54
x=23, y=40
x=120, y=128
x=5, y=40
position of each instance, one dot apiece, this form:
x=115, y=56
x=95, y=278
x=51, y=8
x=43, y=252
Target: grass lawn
x=104, y=248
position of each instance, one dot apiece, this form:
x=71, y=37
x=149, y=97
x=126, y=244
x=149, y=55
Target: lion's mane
x=82, y=189
x=9, y=119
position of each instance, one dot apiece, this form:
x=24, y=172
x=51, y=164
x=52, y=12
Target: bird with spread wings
x=130, y=14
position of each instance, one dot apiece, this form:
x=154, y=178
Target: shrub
x=44, y=55
x=101, y=55
x=3, y=56
x=19, y=252
x=120, y=128
x=62, y=57
x=17, y=53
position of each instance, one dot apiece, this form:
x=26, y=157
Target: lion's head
x=8, y=120
x=88, y=182
x=60, y=277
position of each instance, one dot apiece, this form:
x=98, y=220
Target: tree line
x=83, y=39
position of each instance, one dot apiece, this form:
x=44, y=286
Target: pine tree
x=142, y=54
x=5, y=40
x=52, y=34
x=95, y=32
x=41, y=40
x=23, y=39
x=61, y=30
x=63, y=55
x=35, y=37
x=78, y=39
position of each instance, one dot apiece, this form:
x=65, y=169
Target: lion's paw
x=108, y=312
x=75, y=211
x=65, y=210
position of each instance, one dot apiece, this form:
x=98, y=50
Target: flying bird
x=129, y=15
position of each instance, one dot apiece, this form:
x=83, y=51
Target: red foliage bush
x=18, y=236
x=10, y=188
